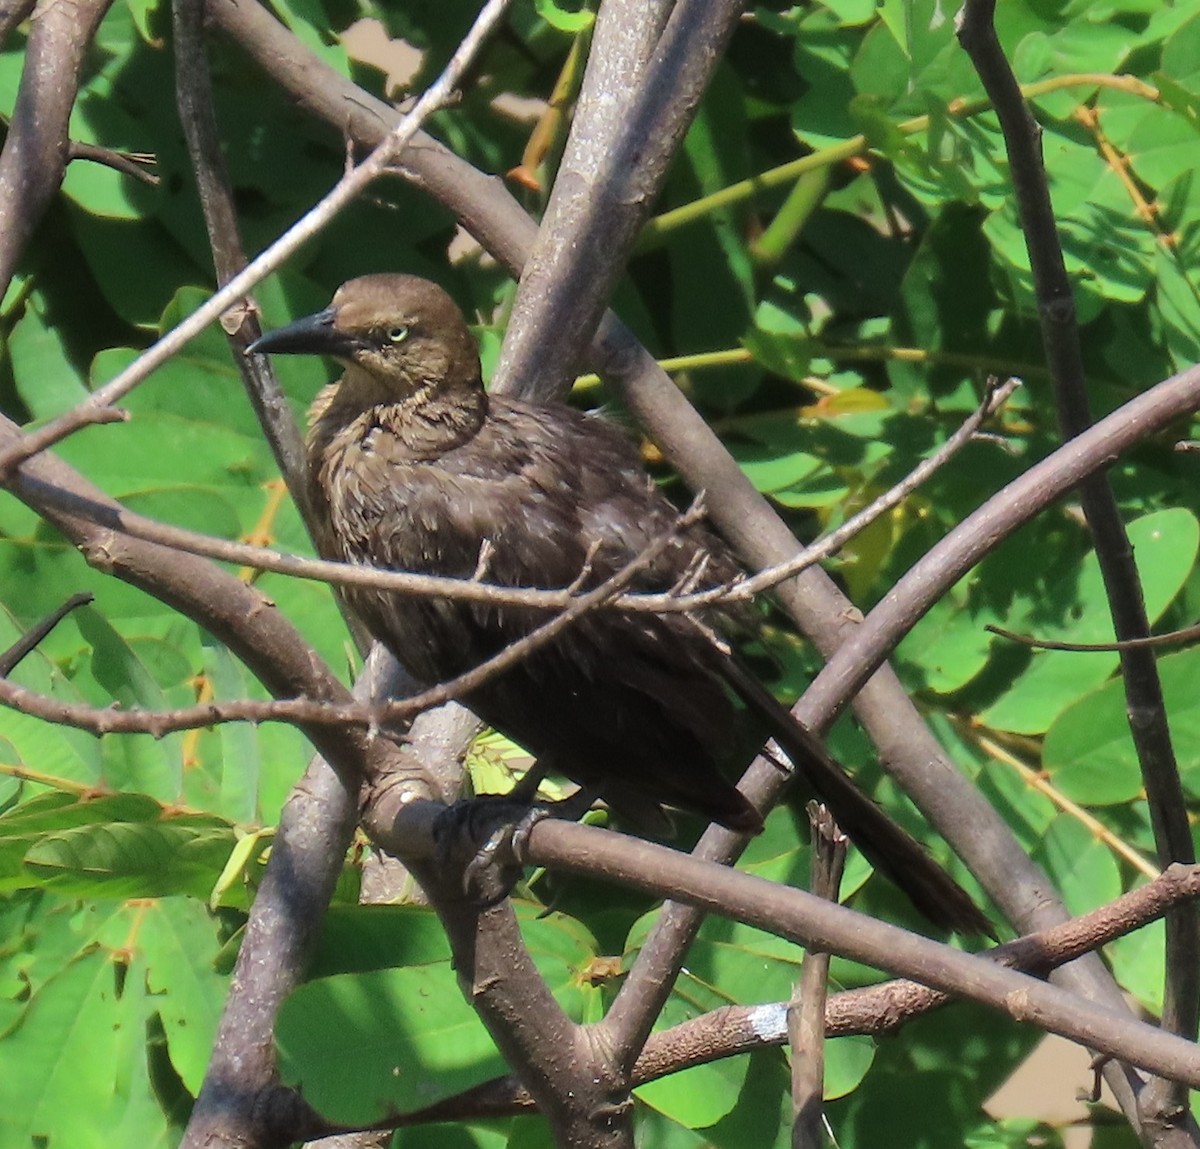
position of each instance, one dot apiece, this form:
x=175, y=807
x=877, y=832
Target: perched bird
x=413, y=466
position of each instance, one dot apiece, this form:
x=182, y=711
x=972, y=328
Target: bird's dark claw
x=484, y=839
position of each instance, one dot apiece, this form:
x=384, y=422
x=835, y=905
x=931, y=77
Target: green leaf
x=179, y=942
x=241, y=759
x=712, y=277
x=49, y=752
x=1138, y=961
x=1084, y=870
x=771, y=472
x=362, y=939
x=564, y=19
x=1089, y=751
x=1177, y=297
x=68, y=1061
x=361, y=1045
x=137, y=761
x=949, y=646
x=131, y=859
x=46, y=379
x=786, y=353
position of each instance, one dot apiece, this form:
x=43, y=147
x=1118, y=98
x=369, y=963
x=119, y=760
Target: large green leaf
x=131, y=859
x=1089, y=750
x=361, y=1045
x=75, y=1063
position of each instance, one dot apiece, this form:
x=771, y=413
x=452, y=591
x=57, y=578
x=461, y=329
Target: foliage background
x=837, y=329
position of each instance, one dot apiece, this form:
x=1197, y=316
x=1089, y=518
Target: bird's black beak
x=312, y=335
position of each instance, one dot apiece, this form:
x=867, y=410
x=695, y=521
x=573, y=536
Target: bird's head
x=405, y=333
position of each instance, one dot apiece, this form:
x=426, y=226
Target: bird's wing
x=625, y=700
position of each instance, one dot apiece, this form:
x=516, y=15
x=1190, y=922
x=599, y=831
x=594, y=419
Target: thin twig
x=33, y=636
x=1180, y=637
x=474, y=590
x=996, y=394
x=310, y=225
x=133, y=164
x=305, y=711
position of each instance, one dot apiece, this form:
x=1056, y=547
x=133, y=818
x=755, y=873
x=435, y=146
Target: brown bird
x=413, y=466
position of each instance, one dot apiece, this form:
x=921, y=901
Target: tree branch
x=816, y=924
x=352, y=184
x=311, y=713
x=37, y=148
x=475, y=590
x=540, y=352
x=1164, y=1107
x=876, y=1010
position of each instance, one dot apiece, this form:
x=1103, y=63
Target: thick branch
x=874, y=1010
x=814, y=923
x=539, y=356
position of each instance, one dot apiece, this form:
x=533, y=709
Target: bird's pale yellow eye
x=397, y=334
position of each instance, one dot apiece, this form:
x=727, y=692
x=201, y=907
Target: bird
x=412, y=465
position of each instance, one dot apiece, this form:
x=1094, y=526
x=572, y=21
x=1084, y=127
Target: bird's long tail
x=887, y=845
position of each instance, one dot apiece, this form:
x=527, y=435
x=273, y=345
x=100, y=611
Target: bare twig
x=1016, y=886
x=1181, y=637
x=996, y=394
x=33, y=636
x=313, y=712
x=346, y=190
x=978, y=534
x=136, y=165
x=682, y=599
